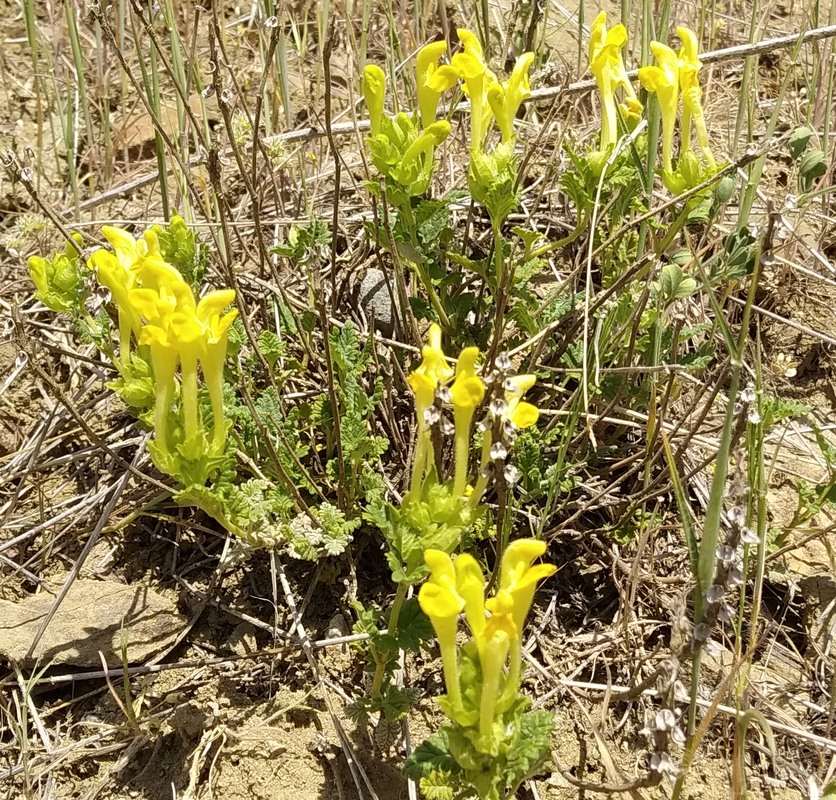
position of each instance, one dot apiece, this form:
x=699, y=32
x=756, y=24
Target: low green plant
x=493, y=741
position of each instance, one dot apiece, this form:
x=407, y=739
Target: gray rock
x=374, y=299
x=90, y=620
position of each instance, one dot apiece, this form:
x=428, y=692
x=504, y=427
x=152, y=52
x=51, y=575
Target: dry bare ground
x=240, y=673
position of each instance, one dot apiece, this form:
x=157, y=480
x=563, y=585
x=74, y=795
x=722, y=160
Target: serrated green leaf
x=433, y=755
x=531, y=746
x=413, y=626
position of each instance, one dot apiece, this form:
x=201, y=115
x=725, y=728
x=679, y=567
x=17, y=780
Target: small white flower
x=443, y=393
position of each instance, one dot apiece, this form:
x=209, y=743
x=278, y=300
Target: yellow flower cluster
x=496, y=626
x=607, y=65
x=466, y=393
x=159, y=310
x=489, y=98
x=429, y=381
x=673, y=73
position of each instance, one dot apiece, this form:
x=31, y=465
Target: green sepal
x=58, y=280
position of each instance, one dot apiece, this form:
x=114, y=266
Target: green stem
x=482, y=482
x=583, y=218
x=188, y=394
x=380, y=669
x=423, y=275
x=422, y=450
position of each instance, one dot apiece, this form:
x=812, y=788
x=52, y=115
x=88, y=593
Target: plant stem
x=423, y=275
x=380, y=669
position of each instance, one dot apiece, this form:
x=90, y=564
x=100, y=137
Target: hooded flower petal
x=470, y=583
x=440, y=601
x=432, y=80
x=374, y=90
x=663, y=81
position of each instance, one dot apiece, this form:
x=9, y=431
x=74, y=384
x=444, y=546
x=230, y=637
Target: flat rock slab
x=90, y=619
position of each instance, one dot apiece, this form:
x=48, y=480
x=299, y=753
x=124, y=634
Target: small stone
x=374, y=299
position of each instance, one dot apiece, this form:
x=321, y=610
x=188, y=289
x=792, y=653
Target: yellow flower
x=663, y=81
x=522, y=414
x=432, y=80
x=213, y=353
x=470, y=582
x=607, y=65
x=467, y=392
x=506, y=98
x=118, y=280
x=470, y=66
x=441, y=602
x=424, y=381
x=374, y=90
x=493, y=645
x=689, y=67
x=432, y=371
x=518, y=581
x=157, y=310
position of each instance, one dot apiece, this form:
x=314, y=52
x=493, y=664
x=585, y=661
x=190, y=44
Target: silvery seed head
x=498, y=407
x=498, y=451
x=432, y=415
x=714, y=594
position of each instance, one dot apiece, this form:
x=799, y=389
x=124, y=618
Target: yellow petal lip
x=525, y=415
x=438, y=602
x=468, y=390
x=467, y=66
x=443, y=78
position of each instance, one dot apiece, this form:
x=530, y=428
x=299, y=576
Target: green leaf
x=58, y=280
x=181, y=248
x=433, y=755
x=811, y=167
x=798, y=141
x=531, y=747
x=436, y=786
x=674, y=284
x=413, y=626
